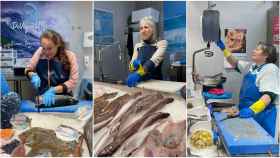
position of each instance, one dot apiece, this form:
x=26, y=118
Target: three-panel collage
x=139, y=79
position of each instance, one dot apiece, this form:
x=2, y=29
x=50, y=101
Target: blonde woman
x=148, y=55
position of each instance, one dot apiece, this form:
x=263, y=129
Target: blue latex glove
x=4, y=85
x=49, y=97
x=133, y=79
x=35, y=80
x=246, y=113
x=134, y=65
x=221, y=45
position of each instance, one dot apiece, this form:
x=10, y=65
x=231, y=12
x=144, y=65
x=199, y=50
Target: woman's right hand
x=221, y=44
x=35, y=80
x=133, y=66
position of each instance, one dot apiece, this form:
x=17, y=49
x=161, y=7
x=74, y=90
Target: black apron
x=57, y=74
x=144, y=54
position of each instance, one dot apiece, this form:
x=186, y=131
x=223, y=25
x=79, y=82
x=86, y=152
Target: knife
x=229, y=117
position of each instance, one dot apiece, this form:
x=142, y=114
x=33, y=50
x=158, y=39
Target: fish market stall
x=138, y=122
x=214, y=131
x=48, y=134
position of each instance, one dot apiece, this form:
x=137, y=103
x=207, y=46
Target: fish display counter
x=138, y=122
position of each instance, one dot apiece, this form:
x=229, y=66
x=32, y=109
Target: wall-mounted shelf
x=8, y=58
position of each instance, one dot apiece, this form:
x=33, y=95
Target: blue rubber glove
x=221, y=45
x=133, y=79
x=35, y=80
x=134, y=65
x=49, y=97
x=5, y=88
x=246, y=113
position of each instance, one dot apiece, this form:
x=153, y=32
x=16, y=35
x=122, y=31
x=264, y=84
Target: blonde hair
x=148, y=20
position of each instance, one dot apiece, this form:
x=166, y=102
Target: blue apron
x=249, y=94
x=144, y=54
x=57, y=74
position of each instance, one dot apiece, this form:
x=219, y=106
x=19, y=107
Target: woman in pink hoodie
x=52, y=69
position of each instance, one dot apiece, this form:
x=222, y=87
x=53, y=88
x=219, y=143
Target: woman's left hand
x=246, y=113
x=49, y=97
x=133, y=79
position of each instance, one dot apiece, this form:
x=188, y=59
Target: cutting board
x=244, y=136
x=163, y=86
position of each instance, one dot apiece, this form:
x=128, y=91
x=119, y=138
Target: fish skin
x=113, y=146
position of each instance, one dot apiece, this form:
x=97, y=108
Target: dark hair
x=270, y=51
x=61, y=48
